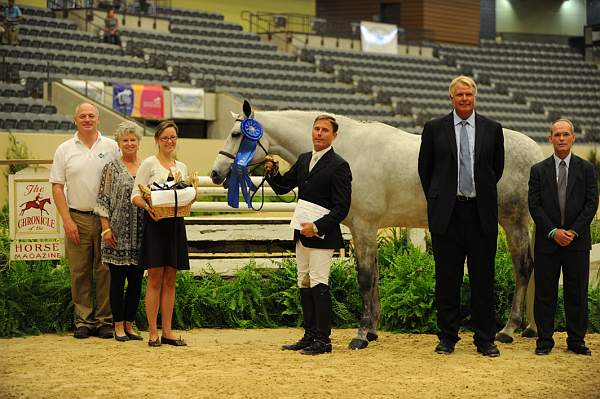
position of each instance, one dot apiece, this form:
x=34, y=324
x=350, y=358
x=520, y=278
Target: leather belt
x=462, y=198
x=82, y=212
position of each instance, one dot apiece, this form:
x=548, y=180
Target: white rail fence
x=229, y=240
x=207, y=187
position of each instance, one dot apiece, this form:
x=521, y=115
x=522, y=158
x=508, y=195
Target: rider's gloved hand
x=271, y=165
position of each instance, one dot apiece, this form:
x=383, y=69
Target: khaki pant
x=85, y=263
x=314, y=265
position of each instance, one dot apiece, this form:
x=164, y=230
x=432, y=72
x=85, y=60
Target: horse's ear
x=233, y=115
x=247, y=109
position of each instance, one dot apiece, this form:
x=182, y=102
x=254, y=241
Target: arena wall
x=231, y=9
x=541, y=17
x=32, y=3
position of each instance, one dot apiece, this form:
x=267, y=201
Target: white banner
x=187, y=103
x=90, y=88
x=379, y=38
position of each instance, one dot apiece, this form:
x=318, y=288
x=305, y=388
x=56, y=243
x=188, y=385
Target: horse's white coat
x=386, y=190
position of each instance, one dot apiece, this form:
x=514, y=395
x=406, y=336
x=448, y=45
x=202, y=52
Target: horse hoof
x=372, y=336
x=358, y=344
x=529, y=333
x=504, y=338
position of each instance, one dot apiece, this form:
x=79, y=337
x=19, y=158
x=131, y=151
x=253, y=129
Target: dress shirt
x=557, y=162
x=318, y=155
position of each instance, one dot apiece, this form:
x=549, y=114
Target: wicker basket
x=165, y=211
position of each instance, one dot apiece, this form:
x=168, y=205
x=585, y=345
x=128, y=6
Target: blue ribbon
x=252, y=131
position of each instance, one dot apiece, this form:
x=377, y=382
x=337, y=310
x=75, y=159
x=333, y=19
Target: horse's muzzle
x=214, y=176
x=218, y=179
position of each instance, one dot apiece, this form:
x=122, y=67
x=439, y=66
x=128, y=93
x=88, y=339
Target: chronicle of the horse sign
x=33, y=214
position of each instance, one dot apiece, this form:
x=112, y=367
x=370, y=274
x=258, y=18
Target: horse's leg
x=519, y=244
x=531, y=330
x=365, y=247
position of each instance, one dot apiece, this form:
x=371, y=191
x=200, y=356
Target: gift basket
x=171, y=199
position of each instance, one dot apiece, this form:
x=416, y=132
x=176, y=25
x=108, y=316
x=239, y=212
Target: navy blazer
x=580, y=206
x=438, y=170
x=328, y=184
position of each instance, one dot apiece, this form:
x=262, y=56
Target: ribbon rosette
x=252, y=131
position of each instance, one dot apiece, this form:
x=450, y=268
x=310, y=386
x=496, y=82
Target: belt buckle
x=462, y=198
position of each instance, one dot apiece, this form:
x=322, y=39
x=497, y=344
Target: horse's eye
x=236, y=134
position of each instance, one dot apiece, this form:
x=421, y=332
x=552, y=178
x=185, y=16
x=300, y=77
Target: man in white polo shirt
x=75, y=178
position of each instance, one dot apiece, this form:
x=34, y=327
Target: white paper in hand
x=307, y=212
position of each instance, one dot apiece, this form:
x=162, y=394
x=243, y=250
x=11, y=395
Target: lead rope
x=261, y=186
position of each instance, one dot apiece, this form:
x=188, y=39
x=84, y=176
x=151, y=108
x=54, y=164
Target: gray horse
x=386, y=192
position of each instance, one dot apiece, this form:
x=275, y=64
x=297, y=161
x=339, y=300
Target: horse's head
x=222, y=166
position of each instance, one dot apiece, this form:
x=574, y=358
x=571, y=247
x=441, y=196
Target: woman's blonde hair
x=126, y=128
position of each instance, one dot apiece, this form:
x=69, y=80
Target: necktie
x=313, y=162
x=465, y=179
x=562, y=189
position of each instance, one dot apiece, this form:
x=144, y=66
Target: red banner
x=149, y=101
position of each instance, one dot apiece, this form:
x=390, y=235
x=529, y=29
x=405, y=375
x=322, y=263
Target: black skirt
x=164, y=243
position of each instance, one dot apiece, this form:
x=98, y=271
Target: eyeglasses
x=165, y=139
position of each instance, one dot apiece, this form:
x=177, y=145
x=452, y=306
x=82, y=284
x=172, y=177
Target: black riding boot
x=322, y=298
x=308, y=312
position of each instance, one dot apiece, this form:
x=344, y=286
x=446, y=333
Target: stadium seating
x=520, y=84
x=553, y=77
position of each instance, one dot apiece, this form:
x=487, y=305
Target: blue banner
x=123, y=99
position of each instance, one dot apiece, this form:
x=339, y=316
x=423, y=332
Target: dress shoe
x=304, y=342
x=317, y=348
x=541, y=351
x=121, y=338
x=175, y=342
x=133, y=336
x=105, y=332
x=580, y=350
x=154, y=343
x=490, y=350
x=82, y=332
x=444, y=348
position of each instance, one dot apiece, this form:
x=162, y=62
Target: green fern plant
x=407, y=293
x=243, y=299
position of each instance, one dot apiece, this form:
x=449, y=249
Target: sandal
x=154, y=343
